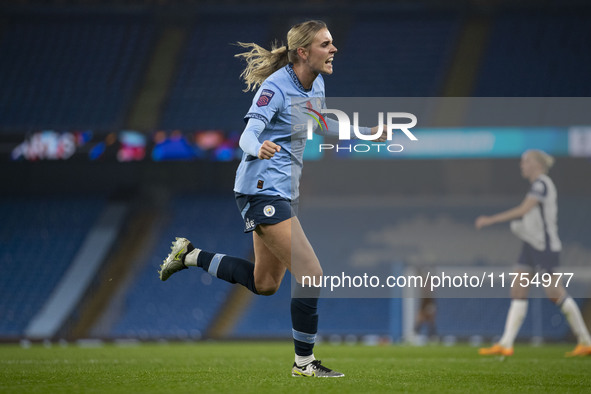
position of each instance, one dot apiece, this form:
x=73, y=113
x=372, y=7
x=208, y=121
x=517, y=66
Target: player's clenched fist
x=268, y=150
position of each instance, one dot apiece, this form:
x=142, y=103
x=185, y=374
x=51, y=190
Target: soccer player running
x=267, y=182
x=535, y=222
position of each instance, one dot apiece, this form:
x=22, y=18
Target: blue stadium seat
x=402, y=55
x=207, y=92
x=40, y=237
x=537, y=53
x=77, y=71
x=185, y=305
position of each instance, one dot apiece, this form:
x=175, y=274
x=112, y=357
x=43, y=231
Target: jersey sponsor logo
x=260, y=184
x=269, y=210
x=265, y=98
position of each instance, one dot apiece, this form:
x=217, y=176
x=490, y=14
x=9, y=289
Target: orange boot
x=495, y=350
x=580, y=350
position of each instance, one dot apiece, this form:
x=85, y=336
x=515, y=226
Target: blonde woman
x=267, y=182
x=535, y=221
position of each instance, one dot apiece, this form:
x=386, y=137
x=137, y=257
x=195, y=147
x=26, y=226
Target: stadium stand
x=402, y=54
x=82, y=70
x=40, y=237
x=207, y=92
x=537, y=53
x=71, y=71
x=184, y=306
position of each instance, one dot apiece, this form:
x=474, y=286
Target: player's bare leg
x=268, y=269
x=288, y=242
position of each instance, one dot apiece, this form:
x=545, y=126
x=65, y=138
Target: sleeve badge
x=265, y=98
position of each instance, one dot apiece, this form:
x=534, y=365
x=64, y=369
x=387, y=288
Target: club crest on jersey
x=265, y=97
x=269, y=210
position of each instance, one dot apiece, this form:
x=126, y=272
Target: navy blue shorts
x=538, y=260
x=262, y=209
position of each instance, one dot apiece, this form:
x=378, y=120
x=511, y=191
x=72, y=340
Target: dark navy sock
x=204, y=259
x=231, y=269
x=304, y=320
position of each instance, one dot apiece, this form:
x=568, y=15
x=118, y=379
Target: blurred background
x=119, y=128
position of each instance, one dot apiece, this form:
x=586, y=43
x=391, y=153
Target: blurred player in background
x=427, y=313
x=267, y=182
x=535, y=221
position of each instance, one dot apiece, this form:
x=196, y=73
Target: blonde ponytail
x=261, y=63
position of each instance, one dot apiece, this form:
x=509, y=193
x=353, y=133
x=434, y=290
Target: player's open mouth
x=329, y=61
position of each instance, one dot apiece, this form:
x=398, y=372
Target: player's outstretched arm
x=514, y=213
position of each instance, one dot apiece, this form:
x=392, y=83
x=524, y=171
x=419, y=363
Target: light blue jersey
x=279, y=176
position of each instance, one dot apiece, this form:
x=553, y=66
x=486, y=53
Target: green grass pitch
x=263, y=367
